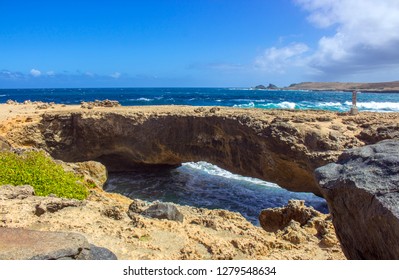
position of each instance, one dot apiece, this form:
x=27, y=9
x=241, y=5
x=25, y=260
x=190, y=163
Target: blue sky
x=204, y=43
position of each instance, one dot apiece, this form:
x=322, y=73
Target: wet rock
x=163, y=211
x=362, y=191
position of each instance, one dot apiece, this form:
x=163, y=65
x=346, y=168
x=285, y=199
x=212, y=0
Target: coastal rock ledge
x=362, y=191
x=280, y=146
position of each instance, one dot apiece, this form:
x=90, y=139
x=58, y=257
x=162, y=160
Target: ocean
x=232, y=97
x=202, y=184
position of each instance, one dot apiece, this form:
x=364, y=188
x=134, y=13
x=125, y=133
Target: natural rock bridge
x=284, y=147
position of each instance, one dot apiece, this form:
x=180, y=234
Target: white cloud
x=50, y=73
x=9, y=75
x=35, y=73
x=278, y=59
x=116, y=75
x=90, y=74
x=366, y=35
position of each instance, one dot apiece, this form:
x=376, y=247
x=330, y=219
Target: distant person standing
x=354, y=109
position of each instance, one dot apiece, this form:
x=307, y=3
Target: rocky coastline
x=281, y=146
x=383, y=87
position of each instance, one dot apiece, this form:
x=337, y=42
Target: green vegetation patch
x=44, y=175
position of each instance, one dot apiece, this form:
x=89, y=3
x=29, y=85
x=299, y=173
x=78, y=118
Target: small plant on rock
x=37, y=169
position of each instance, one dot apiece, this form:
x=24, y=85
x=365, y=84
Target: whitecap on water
x=376, y=106
x=201, y=184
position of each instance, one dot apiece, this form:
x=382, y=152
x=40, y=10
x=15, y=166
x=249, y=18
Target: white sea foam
x=281, y=105
x=377, y=106
x=142, y=99
x=2, y=95
x=329, y=104
x=286, y=105
x=217, y=171
x=247, y=105
x=240, y=89
x=248, y=100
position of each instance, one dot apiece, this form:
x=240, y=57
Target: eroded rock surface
x=284, y=147
x=362, y=191
x=203, y=234
x=298, y=223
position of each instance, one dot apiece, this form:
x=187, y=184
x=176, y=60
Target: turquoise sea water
x=201, y=184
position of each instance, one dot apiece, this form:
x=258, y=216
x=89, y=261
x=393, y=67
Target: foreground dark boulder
x=23, y=244
x=362, y=191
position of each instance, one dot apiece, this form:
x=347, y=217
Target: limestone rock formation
x=362, y=191
x=284, y=147
x=136, y=207
x=273, y=219
x=16, y=192
x=54, y=204
x=204, y=233
x=100, y=103
x=4, y=145
x=92, y=172
x=298, y=224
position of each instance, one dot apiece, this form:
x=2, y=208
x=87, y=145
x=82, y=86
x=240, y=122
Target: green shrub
x=44, y=175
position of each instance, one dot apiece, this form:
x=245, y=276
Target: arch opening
x=201, y=184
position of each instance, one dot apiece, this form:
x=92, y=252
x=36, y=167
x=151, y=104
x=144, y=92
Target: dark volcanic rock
x=23, y=244
x=163, y=211
x=362, y=191
x=101, y=253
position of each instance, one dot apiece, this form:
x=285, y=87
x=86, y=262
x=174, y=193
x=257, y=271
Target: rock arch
x=284, y=147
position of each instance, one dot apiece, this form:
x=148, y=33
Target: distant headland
x=386, y=87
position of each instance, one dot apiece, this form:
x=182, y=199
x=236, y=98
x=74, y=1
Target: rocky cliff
x=335, y=86
x=362, y=190
x=284, y=147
